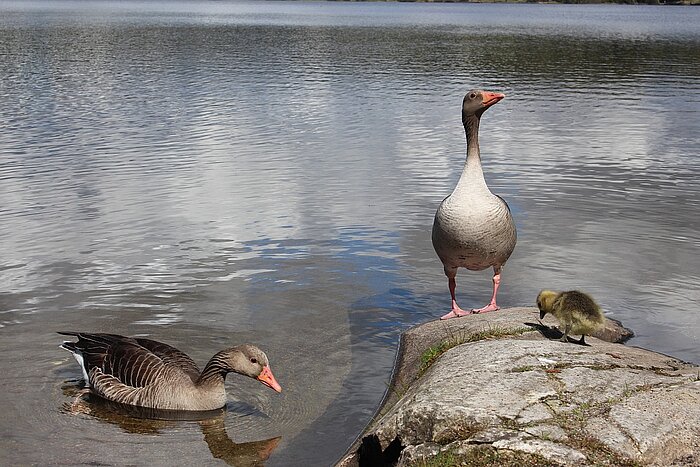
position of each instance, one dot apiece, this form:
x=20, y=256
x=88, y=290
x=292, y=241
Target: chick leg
x=492, y=304
x=567, y=329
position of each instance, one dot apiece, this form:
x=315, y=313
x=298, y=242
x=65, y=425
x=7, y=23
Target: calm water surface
x=214, y=173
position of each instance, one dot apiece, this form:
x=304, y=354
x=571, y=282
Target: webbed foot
x=455, y=313
x=486, y=309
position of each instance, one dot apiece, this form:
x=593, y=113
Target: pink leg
x=456, y=311
x=492, y=304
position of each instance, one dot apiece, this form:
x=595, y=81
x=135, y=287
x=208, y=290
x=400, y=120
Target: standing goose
x=473, y=228
x=147, y=373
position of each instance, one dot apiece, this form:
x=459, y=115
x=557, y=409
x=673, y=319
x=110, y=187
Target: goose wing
x=504, y=202
x=120, y=359
x=133, y=365
x=92, y=349
x=171, y=356
x=133, y=375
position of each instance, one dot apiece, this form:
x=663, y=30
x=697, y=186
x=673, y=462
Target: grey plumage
x=148, y=373
x=473, y=228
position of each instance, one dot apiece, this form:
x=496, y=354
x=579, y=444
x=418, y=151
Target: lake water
x=208, y=174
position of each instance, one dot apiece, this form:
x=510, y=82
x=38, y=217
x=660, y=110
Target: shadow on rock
x=371, y=454
x=552, y=333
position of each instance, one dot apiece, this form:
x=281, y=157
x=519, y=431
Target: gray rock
x=663, y=422
x=554, y=452
x=547, y=432
x=491, y=435
x=517, y=391
x=411, y=455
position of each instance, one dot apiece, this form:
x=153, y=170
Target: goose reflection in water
x=142, y=420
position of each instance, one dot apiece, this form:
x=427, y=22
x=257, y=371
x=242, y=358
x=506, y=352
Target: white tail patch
x=81, y=361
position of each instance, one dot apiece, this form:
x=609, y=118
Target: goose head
x=545, y=302
x=476, y=101
x=250, y=361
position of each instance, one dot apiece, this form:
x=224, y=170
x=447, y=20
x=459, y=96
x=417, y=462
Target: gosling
x=576, y=311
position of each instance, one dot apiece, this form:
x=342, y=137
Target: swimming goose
x=147, y=373
x=576, y=311
x=473, y=228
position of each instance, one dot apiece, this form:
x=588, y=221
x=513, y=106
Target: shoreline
x=419, y=420
x=548, y=2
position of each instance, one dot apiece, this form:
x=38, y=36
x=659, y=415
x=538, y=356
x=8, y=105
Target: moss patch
x=573, y=423
x=596, y=452
x=460, y=429
x=431, y=354
x=523, y=369
x=483, y=456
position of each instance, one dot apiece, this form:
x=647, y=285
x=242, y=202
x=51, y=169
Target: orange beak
x=491, y=98
x=268, y=379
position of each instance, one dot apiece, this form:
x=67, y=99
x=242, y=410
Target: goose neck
x=472, y=177
x=214, y=373
x=471, y=128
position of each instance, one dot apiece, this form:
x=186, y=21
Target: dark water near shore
x=213, y=173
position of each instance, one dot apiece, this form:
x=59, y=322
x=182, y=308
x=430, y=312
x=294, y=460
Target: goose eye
x=472, y=95
x=253, y=360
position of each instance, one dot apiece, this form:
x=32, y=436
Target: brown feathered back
x=147, y=373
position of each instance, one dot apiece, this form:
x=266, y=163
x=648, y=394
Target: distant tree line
x=624, y=2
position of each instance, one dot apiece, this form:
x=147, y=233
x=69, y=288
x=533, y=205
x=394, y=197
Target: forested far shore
x=568, y=2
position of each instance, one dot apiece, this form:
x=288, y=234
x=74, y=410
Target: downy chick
x=576, y=311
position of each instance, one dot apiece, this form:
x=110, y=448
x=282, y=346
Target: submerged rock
x=493, y=388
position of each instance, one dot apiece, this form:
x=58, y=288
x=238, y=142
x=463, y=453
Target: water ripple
x=211, y=174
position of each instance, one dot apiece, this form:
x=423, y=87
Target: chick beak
x=542, y=313
x=268, y=379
